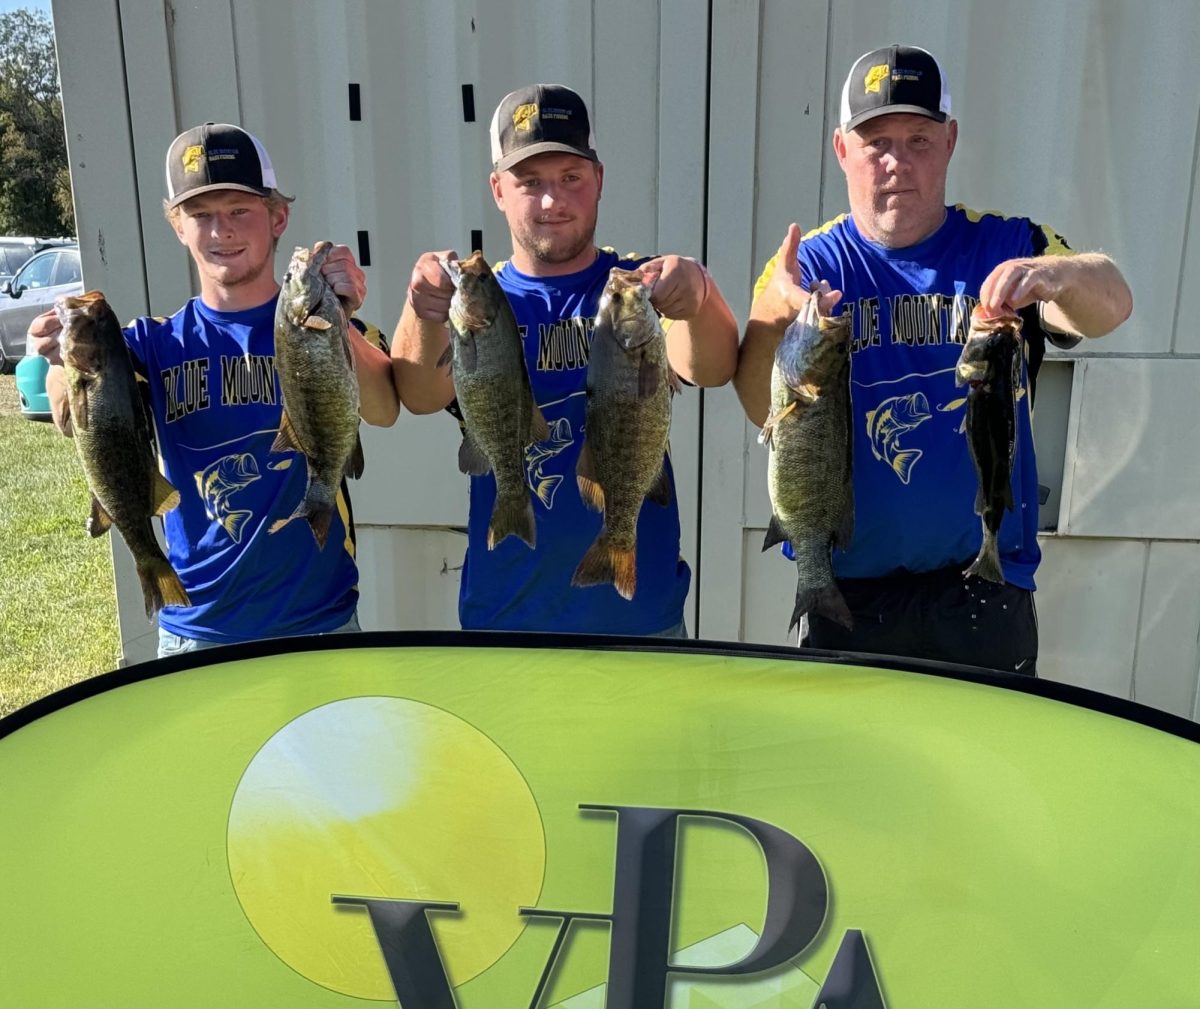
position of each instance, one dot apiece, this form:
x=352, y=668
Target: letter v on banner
x=640, y=922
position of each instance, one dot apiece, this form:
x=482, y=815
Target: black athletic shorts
x=935, y=615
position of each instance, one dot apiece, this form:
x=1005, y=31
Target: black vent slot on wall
x=355, y=104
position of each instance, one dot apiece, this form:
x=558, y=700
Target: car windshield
x=36, y=273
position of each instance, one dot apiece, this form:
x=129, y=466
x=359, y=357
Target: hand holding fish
x=45, y=330
x=345, y=277
x=1016, y=283
x=678, y=285
x=787, y=282
x=430, y=288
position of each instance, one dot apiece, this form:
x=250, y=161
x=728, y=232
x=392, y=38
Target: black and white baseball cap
x=217, y=156
x=537, y=119
x=894, y=79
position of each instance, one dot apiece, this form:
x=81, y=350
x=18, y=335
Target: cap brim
x=545, y=147
x=213, y=188
x=888, y=110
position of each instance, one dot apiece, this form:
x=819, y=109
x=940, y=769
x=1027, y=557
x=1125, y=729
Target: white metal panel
x=1187, y=305
x=770, y=592
x=1168, y=654
x=148, y=71
x=1136, y=462
x=1088, y=598
x=733, y=94
x=409, y=577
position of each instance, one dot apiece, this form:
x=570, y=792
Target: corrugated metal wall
x=713, y=120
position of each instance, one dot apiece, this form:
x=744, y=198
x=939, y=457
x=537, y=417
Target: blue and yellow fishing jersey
x=914, y=481
x=216, y=405
x=515, y=588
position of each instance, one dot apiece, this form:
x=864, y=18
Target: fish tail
x=987, y=564
x=234, y=522
x=317, y=511
x=606, y=564
x=160, y=585
x=824, y=600
x=904, y=461
x=512, y=517
x=545, y=488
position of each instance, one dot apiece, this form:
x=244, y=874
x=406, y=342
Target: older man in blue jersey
x=215, y=434
x=547, y=180
x=910, y=269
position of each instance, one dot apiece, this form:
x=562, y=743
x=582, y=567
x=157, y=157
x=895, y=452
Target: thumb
x=788, y=251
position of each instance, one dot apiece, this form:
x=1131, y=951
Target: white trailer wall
x=713, y=120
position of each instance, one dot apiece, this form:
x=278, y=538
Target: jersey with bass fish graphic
x=515, y=588
x=914, y=481
x=216, y=404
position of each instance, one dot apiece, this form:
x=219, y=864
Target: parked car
x=32, y=290
x=15, y=252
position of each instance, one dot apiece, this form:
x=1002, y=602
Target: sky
x=36, y=5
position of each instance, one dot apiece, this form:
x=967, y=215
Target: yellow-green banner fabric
x=179, y=840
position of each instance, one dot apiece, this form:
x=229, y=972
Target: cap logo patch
x=875, y=76
x=523, y=117
x=192, y=157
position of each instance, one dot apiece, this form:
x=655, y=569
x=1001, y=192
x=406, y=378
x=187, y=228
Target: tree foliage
x=35, y=183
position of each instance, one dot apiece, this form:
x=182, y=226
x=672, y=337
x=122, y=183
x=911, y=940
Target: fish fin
x=904, y=462
x=163, y=495
x=766, y=435
x=79, y=408
x=648, y=378
x=447, y=357
x=286, y=440
x=160, y=586
x=539, y=430
x=62, y=415
x=660, y=490
x=1008, y=495
x=318, y=516
x=545, y=488
x=826, y=601
x=356, y=463
x=316, y=322
x=471, y=459
x=674, y=381
x=99, y=522
x=605, y=564
x=512, y=517
x=775, y=534
x=585, y=475
x=987, y=564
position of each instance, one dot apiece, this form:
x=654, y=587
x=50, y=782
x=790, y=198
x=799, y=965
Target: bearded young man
x=547, y=180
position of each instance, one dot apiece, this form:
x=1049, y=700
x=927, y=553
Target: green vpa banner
x=490, y=820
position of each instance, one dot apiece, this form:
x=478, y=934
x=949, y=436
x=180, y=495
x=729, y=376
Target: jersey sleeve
x=1048, y=242
x=371, y=333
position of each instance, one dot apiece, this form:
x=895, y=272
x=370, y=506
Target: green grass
x=58, y=605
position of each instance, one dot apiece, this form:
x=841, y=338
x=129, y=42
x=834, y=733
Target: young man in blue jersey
x=909, y=269
x=211, y=383
x=547, y=181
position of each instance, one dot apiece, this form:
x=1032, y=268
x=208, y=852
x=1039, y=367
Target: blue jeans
x=678, y=631
x=176, y=644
